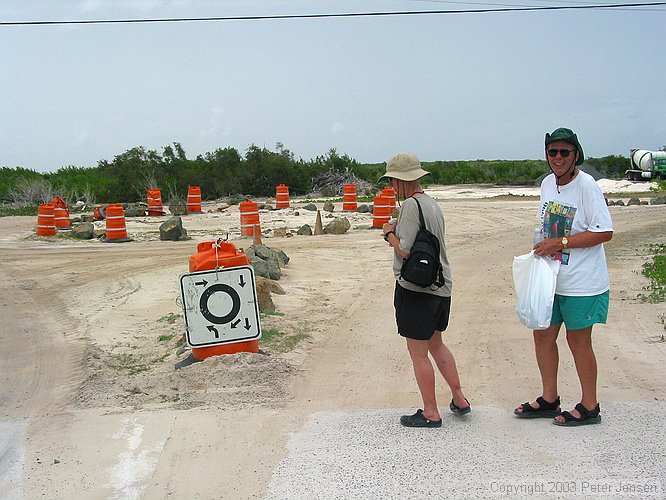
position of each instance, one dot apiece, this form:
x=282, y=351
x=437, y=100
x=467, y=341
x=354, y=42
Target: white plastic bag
x=535, y=278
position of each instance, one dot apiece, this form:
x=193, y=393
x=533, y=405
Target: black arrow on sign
x=247, y=323
x=242, y=281
x=234, y=323
x=202, y=282
x=211, y=328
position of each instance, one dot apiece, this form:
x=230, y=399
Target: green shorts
x=580, y=312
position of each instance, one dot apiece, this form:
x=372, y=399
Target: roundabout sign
x=220, y=306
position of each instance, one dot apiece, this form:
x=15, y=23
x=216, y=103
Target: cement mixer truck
x=646, y=165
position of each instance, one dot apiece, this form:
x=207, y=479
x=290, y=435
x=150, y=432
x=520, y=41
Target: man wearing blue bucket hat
x=575, y=224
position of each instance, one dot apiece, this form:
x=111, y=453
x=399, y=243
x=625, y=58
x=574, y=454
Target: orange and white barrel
x=58, y=202
x=62, y=219
x=46, y=220
x=100, y=212
x=349, y=200
x=249, y=218
x=61, y=213
x=282, y=196
x=210, y=255
x=115, y=223
x=194, y=200
x=389, y=193
x=154, y=197
x=381, y=211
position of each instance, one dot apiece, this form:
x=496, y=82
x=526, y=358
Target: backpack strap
x=440, y=282
x=421, y=219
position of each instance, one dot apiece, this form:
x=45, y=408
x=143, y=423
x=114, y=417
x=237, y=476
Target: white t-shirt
x=579, y=206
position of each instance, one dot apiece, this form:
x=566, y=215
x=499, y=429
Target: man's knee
x=546, y=337
x=580, y=339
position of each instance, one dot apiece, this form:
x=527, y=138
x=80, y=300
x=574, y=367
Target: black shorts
x=419, y=314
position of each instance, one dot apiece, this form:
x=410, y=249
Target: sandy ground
x=92, y=407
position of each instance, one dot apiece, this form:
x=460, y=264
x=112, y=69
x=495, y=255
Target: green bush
x=226, y=172
x=655, y=270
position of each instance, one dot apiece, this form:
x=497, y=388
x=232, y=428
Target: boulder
x=311, y=207
x=633, y=201
x=363, y=209
x=84, y=231
x=338, y=226
x=329, y=207
x=134, y=210
x=264, y=288
x=658, y=200
x=173, y=230
x=178, y=206
x=262, y=251
x=304, y=230
x=267, y=253
x=267, y=268
x=266, y=261
x=281, y=257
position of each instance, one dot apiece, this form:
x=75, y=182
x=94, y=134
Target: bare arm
x=393, y=240
x=581, y=240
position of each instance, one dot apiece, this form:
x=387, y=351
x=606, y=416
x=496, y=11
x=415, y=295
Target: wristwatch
x=386, y=235
x=565, y=242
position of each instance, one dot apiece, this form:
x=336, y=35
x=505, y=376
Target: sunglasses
x=564, y=153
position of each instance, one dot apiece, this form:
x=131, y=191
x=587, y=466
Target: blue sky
x=447, y=87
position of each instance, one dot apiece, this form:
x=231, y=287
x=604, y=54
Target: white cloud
x=219, y=125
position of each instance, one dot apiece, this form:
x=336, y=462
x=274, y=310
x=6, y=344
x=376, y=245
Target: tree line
x=256, y=173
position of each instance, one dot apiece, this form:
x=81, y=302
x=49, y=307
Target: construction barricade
x=219, y=301
x=100, y=212
x=381, y=211
x=154, y=197
x=116, y=231
x=45, y=220
x=61, y=214
x=282, y=196
x=249, y=218
x=389, y=193
x=349, y=200
x=194, y=200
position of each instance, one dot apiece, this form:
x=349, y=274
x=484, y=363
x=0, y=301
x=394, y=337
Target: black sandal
x=545, y=410
x=419, y=420
x=460, y=411
x=587, y=417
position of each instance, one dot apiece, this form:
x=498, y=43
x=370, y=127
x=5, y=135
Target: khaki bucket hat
x=404, y=166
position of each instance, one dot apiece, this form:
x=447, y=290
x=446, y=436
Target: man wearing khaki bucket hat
x=422, y=313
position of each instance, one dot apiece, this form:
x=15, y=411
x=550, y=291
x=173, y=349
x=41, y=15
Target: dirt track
x=92, y=407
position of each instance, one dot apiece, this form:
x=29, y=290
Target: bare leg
x=580, y=343
x=548, y=359
x=425, y=377
x=446, y=364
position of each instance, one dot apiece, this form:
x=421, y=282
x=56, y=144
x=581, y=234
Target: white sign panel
x=220, y=306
